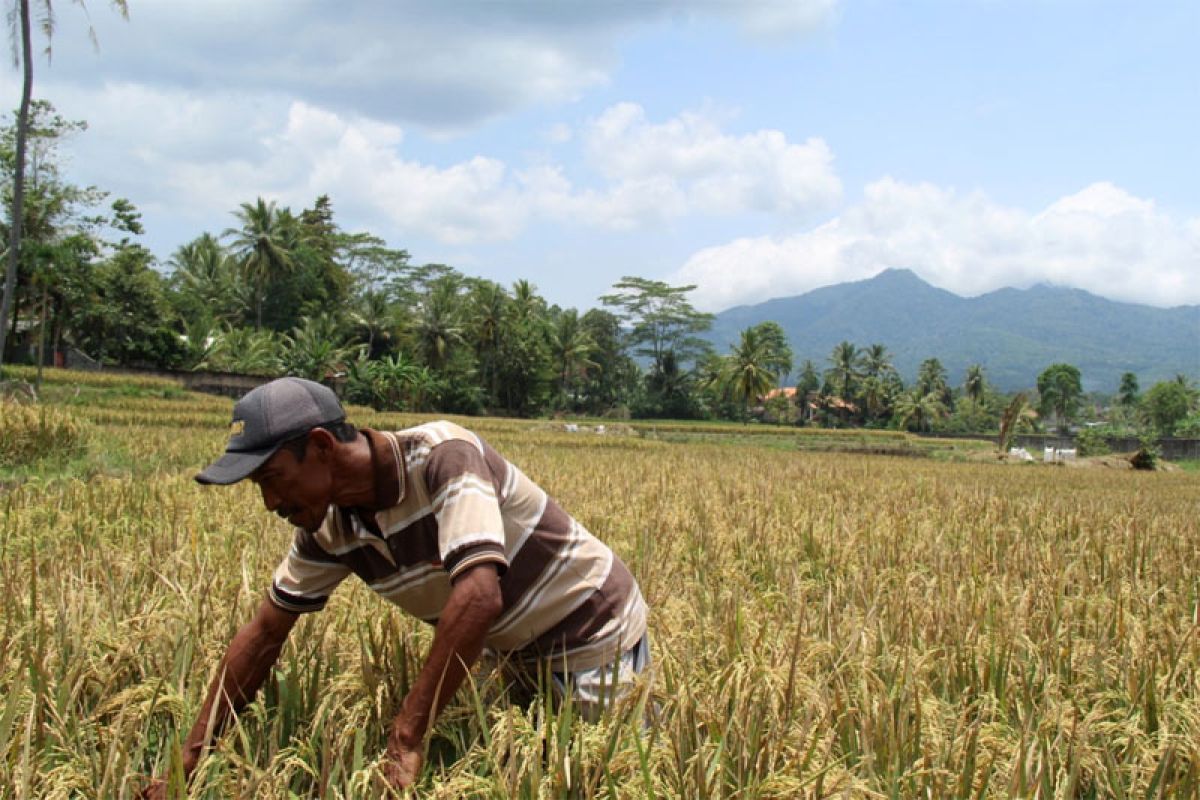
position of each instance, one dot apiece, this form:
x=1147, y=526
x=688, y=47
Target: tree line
x=283, y=291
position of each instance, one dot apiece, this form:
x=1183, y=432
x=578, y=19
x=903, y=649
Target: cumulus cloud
x=1102, y=239
x=708, y=170
x=196, y=158
x=424, y=62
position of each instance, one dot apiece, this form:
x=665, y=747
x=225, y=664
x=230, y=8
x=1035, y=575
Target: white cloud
x=194, y=158
x=774, y=21
x=1101, y=239
x=417, y=62
x=688, y=164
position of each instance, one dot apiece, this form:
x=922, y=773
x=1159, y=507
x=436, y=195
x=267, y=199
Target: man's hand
x=155, y=790
x=473, y=605
x=403, y=764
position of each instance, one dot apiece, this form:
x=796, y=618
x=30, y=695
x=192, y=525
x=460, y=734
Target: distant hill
x=1014, y=333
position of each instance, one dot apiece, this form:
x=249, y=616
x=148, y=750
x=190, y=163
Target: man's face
x=298, y=491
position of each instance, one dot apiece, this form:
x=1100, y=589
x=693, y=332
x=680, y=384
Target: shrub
x=1092, y=442
x=29, y=433
x=1147, y=455
x=1189, y=428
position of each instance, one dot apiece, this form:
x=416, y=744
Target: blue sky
x=754, y=149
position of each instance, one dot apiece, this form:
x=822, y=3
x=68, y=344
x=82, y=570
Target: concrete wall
x=1172, y=449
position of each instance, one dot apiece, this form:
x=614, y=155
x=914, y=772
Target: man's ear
x=322, y=443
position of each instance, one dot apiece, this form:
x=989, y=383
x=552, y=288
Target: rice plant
x=823, y=625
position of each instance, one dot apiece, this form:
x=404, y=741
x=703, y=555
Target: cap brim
x=233, y=467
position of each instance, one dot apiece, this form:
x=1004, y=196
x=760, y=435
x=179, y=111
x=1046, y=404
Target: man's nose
x=270, y=499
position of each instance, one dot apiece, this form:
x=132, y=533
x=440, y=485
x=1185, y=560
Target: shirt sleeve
x=306, y=577
x=470, y=528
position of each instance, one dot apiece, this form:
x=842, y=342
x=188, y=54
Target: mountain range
x=1013, y=333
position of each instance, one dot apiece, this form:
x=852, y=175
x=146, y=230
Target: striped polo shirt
x=446, y=501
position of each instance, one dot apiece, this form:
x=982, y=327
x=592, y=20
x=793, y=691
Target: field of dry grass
x=823, y=625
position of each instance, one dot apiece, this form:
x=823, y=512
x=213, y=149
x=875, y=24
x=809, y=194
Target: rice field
x=823, y=624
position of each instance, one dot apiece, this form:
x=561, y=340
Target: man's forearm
x=457, y=642
x=247, y=663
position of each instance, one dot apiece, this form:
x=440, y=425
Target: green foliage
x=126, y=317
x=809, y=381
x=753, y=368
x=843, y=373
x=932, y=378
x=975, y=385
x=1167, y=404
x=316, y=349
x=1189, y=428
x=970, y=416
x=662, y=322
x=243, y=350
x=916, y=411
x=1092, y=442
x=1128, y=393
x=1059, y=391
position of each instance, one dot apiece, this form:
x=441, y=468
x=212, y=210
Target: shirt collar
x=387, y=467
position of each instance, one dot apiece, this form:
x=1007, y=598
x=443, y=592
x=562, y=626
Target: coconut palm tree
x=749, y=369
x=439, y=325
x=931, y=379
x=874, y=393
x=919, y=410
x=489, y=304
x=875, y=361
x=263, y=246
x=374, y=318
x=975, y=383
x=843, y=374
x=204, y=270
x=571, y=348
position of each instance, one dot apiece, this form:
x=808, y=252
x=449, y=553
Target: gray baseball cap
x=265, y=418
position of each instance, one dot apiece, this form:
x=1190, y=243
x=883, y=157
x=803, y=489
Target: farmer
x=436, y=521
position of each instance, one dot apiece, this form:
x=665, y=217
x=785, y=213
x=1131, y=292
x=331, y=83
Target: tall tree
x=571, y=348
x=932, y=378
x=206, y=278
x=439, y=322
x=614, y=378
x=23, y=47
x=1059, y=391
x=752, y=368
x=262, y=246
x=975, y=384
x=1127, y=395
x=488, y=305
x=876, y=362
x=843, y=373
x=662, y=321
x=919, y=410
x=777, y=353
x=1167, y=404
x=54, y=213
